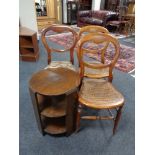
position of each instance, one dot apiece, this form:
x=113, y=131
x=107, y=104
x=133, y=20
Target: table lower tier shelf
x=55, y=125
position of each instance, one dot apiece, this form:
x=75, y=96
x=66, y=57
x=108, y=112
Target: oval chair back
x=59, y=29
x=105, y=40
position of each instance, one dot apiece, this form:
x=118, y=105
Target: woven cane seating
x=100, y=92
x=96, y=92
x=94, y=29
x=59, y=29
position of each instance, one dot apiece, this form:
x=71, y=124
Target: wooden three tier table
x=54, y=97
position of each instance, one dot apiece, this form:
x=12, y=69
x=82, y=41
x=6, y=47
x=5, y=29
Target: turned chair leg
x=78, y=117
x=110, y=78
x=117, y=119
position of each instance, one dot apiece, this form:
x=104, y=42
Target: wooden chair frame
x=93, y=29
x=60, y=29
x=98, y=38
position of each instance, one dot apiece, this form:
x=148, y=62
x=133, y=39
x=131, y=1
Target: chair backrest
x=59, y=29
x=92, y=29
x=96, y=38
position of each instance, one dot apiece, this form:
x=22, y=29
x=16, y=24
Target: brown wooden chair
x=89, y=30
x=96, y=92
x=59, y=29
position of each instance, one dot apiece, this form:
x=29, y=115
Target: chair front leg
x=117, y=119
x=110, y=78
x=78, y=117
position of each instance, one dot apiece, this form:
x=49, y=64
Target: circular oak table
x=54, y=97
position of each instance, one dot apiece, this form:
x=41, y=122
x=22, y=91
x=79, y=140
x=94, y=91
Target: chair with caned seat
x=50, y=49
x=97, y=92
x=94, y=29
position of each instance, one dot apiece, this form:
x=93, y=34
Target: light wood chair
x=59, y=29
x=96, y=92
x=92, y=29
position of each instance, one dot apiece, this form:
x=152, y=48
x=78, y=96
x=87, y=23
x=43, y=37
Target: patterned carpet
x=130, y=40
x=125, y=63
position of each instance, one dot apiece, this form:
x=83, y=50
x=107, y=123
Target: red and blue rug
x=126, y=60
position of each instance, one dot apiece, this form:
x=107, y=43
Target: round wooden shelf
x=55, y=110
x=55, y=127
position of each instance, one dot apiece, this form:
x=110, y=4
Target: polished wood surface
x=54, y=98
x=55, y=126
x=54, y=81
x=55, y=110
x=28, y=44
x=96, y=92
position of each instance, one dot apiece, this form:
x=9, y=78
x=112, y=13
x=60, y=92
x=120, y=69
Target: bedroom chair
x=50, y=49
x=96, y=92
x=95, y=29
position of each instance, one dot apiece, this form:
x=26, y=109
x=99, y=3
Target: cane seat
x=100, y=94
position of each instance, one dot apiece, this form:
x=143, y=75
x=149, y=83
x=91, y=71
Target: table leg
x=36, y=110
x=71, y=112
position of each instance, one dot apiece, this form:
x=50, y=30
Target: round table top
x=55, y=81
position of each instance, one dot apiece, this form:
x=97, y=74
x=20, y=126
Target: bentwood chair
x=50, y=49
x=96, y=92
x=89, y=30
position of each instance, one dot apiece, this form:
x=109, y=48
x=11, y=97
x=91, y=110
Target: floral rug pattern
x=126, y=60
